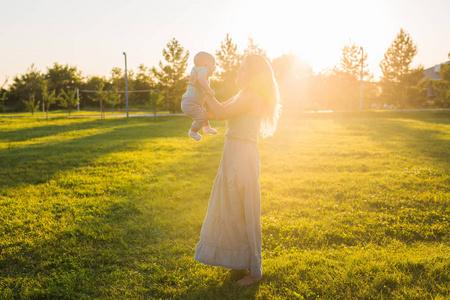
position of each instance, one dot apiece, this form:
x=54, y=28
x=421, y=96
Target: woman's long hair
x=262, y=82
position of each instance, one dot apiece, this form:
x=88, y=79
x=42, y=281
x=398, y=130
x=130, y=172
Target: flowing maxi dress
x=231, y=232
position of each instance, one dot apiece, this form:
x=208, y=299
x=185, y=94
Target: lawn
x=90, y=112
x=354, y=206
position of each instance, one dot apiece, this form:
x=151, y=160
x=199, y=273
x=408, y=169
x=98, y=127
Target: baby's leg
x=193, y=133
x=206, y=127
x=196, y=125
x=194, y=111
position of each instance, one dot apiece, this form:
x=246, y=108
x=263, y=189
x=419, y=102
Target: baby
x=192, y=102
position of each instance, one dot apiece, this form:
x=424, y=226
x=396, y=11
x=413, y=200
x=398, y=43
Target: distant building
x=433, y=74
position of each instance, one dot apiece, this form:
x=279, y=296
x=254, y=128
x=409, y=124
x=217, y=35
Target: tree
x=68, y=100
x=443, y=86
x=48, y=98
x=400, y=82
x=3, y=95
x=143, y=80
x=117, y=78
x=156, y=99
x=171, y=78
x=63, y=78
x=326, y=89
x=31, y=104
x=114, y=98
x=253, y=48
x=228, y=61
x=23, y=86
x=348, y=76
x=350, y=63
x=293, y=75
x=101, y=96
x=92, y=83
x=3, y=91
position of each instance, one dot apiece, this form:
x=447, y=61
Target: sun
x=314, y=30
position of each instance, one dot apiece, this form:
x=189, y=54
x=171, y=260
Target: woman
x=231, y=232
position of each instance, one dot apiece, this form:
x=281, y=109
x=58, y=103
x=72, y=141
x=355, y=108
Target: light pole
x=126, y=82
x=78, y=99
x=361, y=79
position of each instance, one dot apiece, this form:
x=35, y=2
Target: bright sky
x=92, y=34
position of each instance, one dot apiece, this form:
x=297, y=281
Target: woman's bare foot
x=248, y=280
x=237, y=274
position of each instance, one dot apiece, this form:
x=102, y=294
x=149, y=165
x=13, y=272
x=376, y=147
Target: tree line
x=339, y=88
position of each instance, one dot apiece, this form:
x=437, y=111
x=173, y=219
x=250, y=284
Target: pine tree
x=228, y=61
x=400, y=82
x=348, y=76
x=253, y=48
x=350, y=63
x=171, y=78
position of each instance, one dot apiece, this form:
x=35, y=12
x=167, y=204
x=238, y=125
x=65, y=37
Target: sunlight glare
x=311, y=29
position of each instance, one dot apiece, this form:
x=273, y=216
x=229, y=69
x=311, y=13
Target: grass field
x=82, y=113
x=354, y=206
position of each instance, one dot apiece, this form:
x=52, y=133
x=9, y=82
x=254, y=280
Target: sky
x=93, y=34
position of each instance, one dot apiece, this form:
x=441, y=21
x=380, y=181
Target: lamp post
x=126, y=82
x=78, y=99
x=361, y=79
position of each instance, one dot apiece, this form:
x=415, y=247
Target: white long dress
x=231, y=231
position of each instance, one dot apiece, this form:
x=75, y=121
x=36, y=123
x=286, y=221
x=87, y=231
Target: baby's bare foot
x=195, y=135
x=209, y=130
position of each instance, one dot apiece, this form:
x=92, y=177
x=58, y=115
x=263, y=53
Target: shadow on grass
x=104, y=239
x=79, y=262
x=409, y=194
x=35, y=164
x=50, y=127
x=435, y=117
x=419, y=142
x=227, y=288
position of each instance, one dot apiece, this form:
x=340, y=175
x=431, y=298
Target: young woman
x=231, y=232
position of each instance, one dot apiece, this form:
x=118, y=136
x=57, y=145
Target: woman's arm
x=226, y=102
x=233, y=107
x=203, y=82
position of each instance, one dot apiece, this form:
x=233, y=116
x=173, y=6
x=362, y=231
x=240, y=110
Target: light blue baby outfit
x=191, y=103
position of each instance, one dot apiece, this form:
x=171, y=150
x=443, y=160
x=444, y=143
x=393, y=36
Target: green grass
x=91, y=112
x=354, y=206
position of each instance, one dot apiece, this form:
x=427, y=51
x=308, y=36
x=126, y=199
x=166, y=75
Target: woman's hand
x=193, y=80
